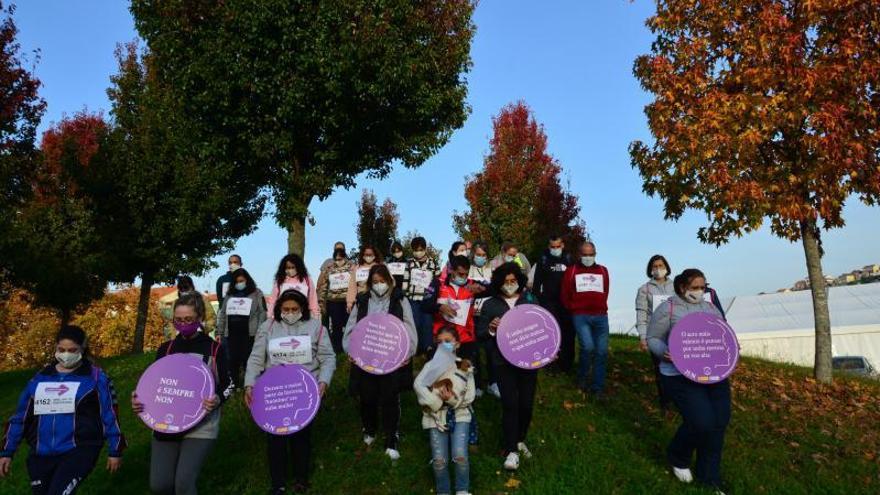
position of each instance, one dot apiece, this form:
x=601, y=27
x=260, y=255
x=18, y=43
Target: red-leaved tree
x=519, y=195
x=765, y=110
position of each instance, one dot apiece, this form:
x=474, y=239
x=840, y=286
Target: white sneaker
x=478, y=393
x=493, y=390
x=369, y=439
x=462, y=493
x=392, y=454
x=524, y=450
x=512, y=461
x=683, y=475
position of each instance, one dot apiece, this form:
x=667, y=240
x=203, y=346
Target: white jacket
x=433, y=407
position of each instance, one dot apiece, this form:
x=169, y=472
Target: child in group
x=445, y=390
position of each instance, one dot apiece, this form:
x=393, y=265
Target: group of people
x=451, y=311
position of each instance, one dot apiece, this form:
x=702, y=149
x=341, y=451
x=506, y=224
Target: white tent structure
x=779, y=326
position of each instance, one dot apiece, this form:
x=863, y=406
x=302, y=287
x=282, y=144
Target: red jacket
x=589, y=301
x=466, y=332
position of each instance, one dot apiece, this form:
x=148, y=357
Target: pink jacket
x=355, y=287
x=305, y=286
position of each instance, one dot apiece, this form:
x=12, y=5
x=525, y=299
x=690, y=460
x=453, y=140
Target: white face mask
x=659, y=273
x=241, y=286
x=68, y=360
x=556, y=252
x=380, y=289
x=510, y=289
x=291, y=272
x=588, y=260
x=419, y=254
x=463, y=253
x=693, y=296
x=369, y=259
x=291, y=318
x=340, y=262
x=398, y=255
x=234, y=266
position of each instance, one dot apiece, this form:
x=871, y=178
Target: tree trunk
x=66, y=315
x=822, y=363
x=142, y=312
x=296, y=237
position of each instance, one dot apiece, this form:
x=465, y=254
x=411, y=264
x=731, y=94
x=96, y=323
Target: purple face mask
x=187, y=329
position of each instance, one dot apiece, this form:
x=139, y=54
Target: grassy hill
x=788, y=435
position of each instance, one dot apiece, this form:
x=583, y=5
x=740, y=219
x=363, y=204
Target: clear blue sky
x=572, y=63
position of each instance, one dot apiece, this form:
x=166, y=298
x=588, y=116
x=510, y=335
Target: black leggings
x=338, y=318
x=380, y=391
x=240, y=347
x=61, y=474
x=300, y=450
x=517, y=387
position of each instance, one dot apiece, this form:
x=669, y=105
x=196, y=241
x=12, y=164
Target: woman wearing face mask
x=66, y=440
x=332, y=289
x=657, y=289
x=510, y=254
x=360, y=274
x=176, y=459
x=242, y=313
x=517, y=385
x=291, y=317
x=292, y=274
x=397, y=263
x=376, y=391
x=705, y=409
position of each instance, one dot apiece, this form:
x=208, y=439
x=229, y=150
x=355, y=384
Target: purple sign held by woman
x=172, y=390
x=703, y=348
x=286, y=399
x=379, y=344
x=528, y=337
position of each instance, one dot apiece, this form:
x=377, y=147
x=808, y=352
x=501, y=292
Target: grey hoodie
x=645, y=302
x=323, y=362
x=666, y=315
x=380, y=305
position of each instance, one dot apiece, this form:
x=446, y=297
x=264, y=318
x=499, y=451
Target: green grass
x=788, y=435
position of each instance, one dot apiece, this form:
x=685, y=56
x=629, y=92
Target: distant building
x=801, y=285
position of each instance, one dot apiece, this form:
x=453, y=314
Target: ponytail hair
x=684, y=279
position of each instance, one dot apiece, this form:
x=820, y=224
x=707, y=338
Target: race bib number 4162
x=55, y=398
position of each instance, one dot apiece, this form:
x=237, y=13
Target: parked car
x=854, y=365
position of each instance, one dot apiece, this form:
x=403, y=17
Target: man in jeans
x=585, y=295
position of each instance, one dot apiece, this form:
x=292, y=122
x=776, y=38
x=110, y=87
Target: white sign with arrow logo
x=55, y=398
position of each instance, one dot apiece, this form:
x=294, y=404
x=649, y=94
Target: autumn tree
x=377, y=224
x=518, y=196
x=765, y=110
x=21, y=109
x=309, y=95
x=53, y=245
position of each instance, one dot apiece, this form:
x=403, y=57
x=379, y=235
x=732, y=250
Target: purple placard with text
x=286, y=399
x=528, y=337
x=172, y=390
x=379, y=344
x=703, y=348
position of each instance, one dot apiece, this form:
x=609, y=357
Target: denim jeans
x=440, y=441
x=592, y=332
x=705, y=411
x=424, y=326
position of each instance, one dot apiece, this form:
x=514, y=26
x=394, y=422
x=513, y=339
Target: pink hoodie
x=305, y=286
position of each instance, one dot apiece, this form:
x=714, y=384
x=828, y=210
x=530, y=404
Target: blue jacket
x=95, y=418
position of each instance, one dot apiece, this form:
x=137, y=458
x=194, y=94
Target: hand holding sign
x=379, y=344
x=171, y=393
x=703, y=348
x=528, y=336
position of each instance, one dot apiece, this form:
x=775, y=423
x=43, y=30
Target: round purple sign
x=172, y=390
x=528, y=337
x=703, y=348
x=286, y=399
x=379, y=344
